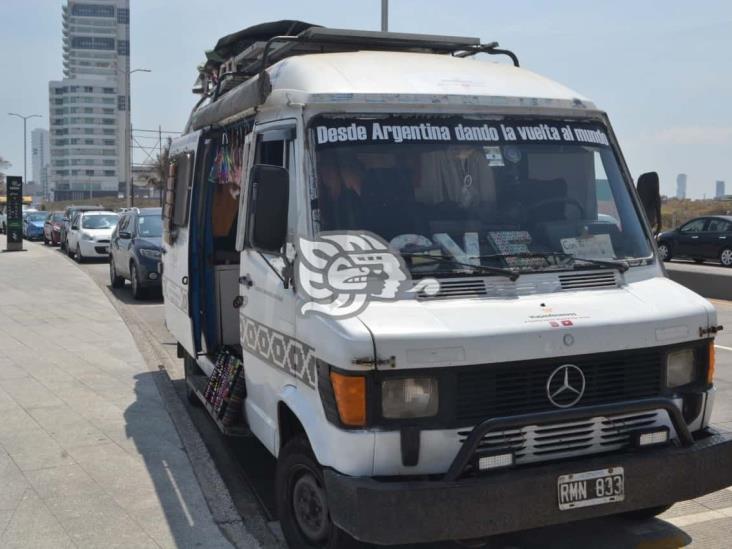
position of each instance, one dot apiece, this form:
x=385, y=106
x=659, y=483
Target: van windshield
x=530, y=194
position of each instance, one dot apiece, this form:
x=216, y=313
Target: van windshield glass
x=99, y=221
x=530, y=194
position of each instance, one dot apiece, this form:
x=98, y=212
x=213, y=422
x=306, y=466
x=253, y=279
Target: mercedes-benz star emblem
x=565, y=386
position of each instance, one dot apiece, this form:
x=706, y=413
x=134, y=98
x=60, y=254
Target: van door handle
x=246, y=280
x=722, y=238
x=694, y=237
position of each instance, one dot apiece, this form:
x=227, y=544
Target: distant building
x=88, y=108
x=719, y=189
x=681, y=186
x=40, y=158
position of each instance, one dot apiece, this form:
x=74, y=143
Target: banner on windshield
x=400, y=130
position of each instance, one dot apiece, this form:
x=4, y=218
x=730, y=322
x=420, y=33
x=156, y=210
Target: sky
x=662, y=69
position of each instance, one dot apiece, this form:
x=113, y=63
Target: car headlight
x=86, y=236
x=409, y=397
x=681, y=368
x=151, y=253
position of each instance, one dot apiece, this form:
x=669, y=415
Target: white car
x=90, y=233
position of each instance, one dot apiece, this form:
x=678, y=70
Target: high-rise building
x=88, y=108
x=719, y=189
x=40, y=158
x=681, y=186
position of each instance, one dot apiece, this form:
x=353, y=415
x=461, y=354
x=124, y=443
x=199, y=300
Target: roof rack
x=257, y=57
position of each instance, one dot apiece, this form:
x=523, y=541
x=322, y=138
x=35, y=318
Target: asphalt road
x=246, y=466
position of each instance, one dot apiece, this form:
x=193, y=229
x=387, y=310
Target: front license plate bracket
x=591, y=488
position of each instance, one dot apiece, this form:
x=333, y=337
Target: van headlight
x=409, y=397
x=680, y=368
x=86, y=236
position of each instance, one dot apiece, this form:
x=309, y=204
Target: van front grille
x=515, y=388
x=593, y=435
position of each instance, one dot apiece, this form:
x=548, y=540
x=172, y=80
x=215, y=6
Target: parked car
x=69, y=214
x=33, y=224
x=52, y=228
x=89, y=234
x=135, y=250
x=701, y=238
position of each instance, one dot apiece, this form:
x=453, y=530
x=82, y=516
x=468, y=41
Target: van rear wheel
x=302, y=503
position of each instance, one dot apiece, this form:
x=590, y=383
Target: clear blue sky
x=662, y=68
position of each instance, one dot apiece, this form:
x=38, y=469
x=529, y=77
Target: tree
x=3, y=165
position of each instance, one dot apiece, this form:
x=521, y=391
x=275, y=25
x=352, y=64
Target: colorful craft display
x=229, y=162
x=226, y=388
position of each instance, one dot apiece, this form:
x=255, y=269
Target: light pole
x=128, y=183
x=384, y=15
x=25, y=141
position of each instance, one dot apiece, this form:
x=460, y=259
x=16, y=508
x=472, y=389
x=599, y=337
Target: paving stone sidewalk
x=88, y=454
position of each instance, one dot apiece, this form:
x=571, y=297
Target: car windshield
x=529, y=194
x=36, y=216
x=149, y=226
x=100, y=221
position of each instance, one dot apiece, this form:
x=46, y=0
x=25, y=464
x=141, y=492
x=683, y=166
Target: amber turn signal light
x=710, y=369
x=350, y=396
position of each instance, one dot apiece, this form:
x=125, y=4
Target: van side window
x=183, y=178
x=270, y=152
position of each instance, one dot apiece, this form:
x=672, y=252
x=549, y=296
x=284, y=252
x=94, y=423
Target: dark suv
x=135, y=248
x=69, y=214
x=699, y=239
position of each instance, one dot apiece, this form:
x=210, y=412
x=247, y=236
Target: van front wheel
x=302, y=503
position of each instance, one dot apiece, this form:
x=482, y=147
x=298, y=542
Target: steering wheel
x=559, y=200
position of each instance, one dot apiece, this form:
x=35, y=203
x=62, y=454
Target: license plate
x=591, y=488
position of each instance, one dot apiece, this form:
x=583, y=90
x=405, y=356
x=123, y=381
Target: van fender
x=349, y=452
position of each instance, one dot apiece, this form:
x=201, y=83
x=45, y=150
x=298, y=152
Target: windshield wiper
x=621, y=266
x=512, y=275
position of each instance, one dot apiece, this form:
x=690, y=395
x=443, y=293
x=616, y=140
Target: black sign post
x=14, y=211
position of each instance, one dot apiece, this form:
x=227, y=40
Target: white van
x=426, y=284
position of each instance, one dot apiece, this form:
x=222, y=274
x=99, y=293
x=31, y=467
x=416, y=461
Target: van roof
x=391, y=78
x=379, y=72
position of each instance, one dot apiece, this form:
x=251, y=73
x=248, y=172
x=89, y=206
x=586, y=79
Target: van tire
x=298, y=469
x=646, y=514
x=725, y=257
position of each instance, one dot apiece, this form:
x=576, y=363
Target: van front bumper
x=413, y=511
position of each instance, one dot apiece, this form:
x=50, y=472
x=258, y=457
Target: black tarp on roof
x=235, y=43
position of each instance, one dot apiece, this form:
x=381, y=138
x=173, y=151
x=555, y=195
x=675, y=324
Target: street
x=248, y=468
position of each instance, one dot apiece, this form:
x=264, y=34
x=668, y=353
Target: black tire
x=115, y=280
x=77, y=254
x=137, y=291
x=62, y=244
x=725, y=257
x=664, y=251
x=299, y=476
x=647, y=514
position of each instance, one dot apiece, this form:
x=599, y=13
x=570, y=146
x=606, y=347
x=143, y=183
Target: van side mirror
x=124, y=234
x=269, y=204
x=650, y=195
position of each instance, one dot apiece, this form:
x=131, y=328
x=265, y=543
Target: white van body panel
x=175, y=271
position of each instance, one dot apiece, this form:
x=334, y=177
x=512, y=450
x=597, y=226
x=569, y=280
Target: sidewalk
x=88, y=454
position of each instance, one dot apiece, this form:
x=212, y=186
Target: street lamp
x=25, y=141
x=128, y=182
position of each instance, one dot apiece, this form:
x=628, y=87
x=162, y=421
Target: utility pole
x=384, y=15
x=25, y=141
x=128, y=183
